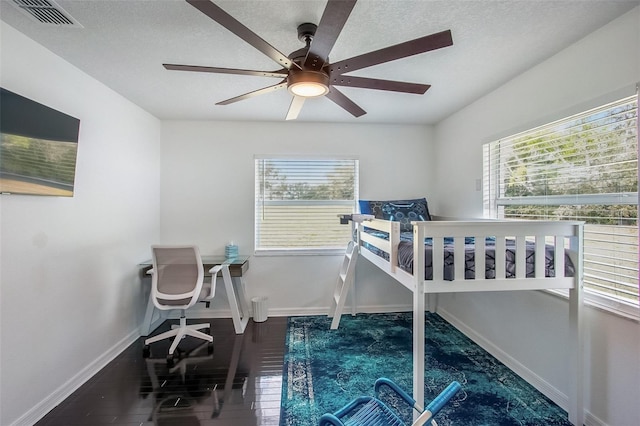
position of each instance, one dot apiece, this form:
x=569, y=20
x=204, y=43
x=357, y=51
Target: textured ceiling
x=124, y=43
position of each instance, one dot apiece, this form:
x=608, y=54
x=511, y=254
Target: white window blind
x=584, y=167
x=298, y=201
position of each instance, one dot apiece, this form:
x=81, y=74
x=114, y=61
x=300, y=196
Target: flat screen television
x=38, y=147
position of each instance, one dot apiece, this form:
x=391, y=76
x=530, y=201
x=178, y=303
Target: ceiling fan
x=307, y=73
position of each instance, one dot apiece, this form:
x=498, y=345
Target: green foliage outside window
x=581, y=168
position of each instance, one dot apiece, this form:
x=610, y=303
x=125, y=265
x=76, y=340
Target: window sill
x=603, y=303
x=299, y=252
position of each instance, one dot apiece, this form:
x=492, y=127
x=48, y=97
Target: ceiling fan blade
x=374, y=83
x=262, y=91
x=334, y=17
x=391, y=53
x=295, y=107
x=197, y=68
x=229, y=22
x=341, y=100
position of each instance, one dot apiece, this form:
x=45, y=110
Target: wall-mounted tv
x=38, y=147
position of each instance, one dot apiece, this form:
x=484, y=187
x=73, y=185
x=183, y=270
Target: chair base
x=180, y=332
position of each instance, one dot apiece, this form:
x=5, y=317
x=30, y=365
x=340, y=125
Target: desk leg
x=238, y=303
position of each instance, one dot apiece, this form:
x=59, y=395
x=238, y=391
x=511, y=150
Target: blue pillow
x=365, y=207
x=403, y=211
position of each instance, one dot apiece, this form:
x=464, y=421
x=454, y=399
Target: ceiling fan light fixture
x=308, y=84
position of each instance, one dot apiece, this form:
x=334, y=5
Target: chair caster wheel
x=210, y=348
x=169, y=361
x=146, y=351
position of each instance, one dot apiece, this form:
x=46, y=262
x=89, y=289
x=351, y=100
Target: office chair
x=177, y=282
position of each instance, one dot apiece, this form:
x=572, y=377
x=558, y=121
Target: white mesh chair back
x=178, y=277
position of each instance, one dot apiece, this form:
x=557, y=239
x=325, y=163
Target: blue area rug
x=324, y=369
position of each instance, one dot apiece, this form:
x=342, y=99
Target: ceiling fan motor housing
x=318, y=79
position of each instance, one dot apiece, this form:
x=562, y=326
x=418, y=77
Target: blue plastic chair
x=370, y=411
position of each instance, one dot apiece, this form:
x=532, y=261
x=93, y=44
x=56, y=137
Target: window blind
x=298, y=201
x=584, y=167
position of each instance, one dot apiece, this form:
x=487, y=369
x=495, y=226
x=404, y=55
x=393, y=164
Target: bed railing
x=525, y=240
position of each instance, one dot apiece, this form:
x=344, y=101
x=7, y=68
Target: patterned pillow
x=403, y=211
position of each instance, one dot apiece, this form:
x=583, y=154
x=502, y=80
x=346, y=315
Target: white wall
x=70, y=296
x=208, y=195
x=532, y=327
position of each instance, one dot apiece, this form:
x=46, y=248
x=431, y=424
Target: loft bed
x=515, y=255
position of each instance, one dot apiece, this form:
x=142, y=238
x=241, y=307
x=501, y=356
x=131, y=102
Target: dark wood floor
x=239, y=384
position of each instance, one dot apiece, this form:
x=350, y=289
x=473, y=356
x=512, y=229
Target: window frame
x=492, y=203
x=259, y=203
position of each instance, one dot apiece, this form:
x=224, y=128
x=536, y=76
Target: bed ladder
x=343, y=284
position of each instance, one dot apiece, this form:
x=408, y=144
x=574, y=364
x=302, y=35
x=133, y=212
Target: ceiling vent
x=46, y=12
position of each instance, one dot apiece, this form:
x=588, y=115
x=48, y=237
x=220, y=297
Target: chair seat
x=374, y=413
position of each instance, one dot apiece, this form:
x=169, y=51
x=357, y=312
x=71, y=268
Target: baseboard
x=64, y=391
x=377, y=309
x=385, y=309
x=296, y=312
x=591, y=420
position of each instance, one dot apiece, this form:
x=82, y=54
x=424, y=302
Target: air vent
x=46, y=12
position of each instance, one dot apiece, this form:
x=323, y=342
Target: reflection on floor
x=239, y=384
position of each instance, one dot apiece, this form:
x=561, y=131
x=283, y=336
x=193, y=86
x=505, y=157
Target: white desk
x=236, y=294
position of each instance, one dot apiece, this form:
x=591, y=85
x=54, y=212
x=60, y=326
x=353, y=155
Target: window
x=298, y=201
x=583, y=167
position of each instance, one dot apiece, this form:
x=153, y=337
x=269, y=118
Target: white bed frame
x=543, y=231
